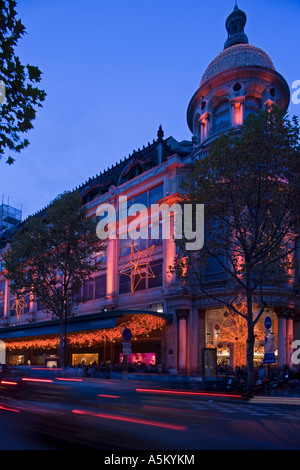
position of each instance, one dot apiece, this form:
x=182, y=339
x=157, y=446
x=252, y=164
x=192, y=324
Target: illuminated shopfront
x=94, y=346
x=228, y=334
x=134, y=286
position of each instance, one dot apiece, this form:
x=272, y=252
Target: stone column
x=7, y=300
x=112, y=269
x=289, y=336
x=182, y=316
x=202, y=337
x=281, y=340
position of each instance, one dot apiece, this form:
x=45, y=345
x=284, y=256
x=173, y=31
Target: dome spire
x=235, y=25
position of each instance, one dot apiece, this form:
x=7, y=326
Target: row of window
x=222, y=111
x=92, y=289
x=95, y=288
x=140, y=282
x=147, y=198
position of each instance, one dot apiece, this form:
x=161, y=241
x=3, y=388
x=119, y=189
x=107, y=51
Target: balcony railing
x=223, y=126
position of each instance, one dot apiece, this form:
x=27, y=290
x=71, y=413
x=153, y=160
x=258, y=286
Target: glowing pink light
x=131, y=420
x=26, y=379
x=6, y=382
x=9, y=409
x=176, y=392
x=68, y=380
x=108, y=396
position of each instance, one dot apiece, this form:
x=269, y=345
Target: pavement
x=276, y=400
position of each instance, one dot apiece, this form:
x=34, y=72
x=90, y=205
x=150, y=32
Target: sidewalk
x=276, y=400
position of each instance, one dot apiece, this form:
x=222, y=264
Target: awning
x=97, y=321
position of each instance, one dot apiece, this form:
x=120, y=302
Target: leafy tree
x=19, y=94
x=50, y=255
x=249, y=185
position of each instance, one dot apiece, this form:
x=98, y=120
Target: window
x=91, y=289
x=156, y=193
x=156, y=229
x=156, y=267
x=40, y=306
x=126, y=243
x=222, y=114
x=100, y=286
x=88, y=290
x=24, y=310
x=146, y=198
x=144, y=282
x=252, y=105
x=124, y=284
x=139, y=283
x=213, y=270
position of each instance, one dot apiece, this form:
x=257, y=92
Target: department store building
x=169, y=328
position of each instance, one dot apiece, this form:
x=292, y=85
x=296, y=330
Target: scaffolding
x=10, y=217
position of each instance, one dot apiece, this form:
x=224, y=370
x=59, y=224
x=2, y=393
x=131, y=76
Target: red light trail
x=187, y=393
x=131, y=420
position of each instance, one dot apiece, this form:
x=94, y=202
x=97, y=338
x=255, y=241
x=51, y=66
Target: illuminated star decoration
x=18, y=306
x=138, y=267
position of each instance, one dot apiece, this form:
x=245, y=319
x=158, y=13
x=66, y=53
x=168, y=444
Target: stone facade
x=241, y=79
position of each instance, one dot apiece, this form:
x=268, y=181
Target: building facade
x=169, y=328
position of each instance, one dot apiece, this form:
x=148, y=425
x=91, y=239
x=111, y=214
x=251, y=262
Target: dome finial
x=235, y=25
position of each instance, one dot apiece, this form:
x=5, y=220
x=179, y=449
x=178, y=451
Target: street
x=99, y=414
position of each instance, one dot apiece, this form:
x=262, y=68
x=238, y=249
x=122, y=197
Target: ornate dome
x=242, y=78
x=238, y=55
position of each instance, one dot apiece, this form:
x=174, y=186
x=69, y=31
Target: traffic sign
x=126, y=334
x=269, y=358
x=269, y=349
x=126, y=349
x=268, y=322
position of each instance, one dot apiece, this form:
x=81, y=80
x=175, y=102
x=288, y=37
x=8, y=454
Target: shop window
x=228, y=335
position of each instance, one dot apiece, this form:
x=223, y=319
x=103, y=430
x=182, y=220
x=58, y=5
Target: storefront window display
x=228, y=334
x=139, y=359
x=85, y=359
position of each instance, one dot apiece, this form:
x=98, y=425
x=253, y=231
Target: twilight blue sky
x=115, y=70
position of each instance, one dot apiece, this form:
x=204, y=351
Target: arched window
x=252, y=105
x=222, y=114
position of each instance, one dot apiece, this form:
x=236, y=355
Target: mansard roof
x=127, y=168
x=136, y=163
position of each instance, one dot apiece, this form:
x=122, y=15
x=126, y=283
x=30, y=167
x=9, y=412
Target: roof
x=127, y=168
x=238, y=55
